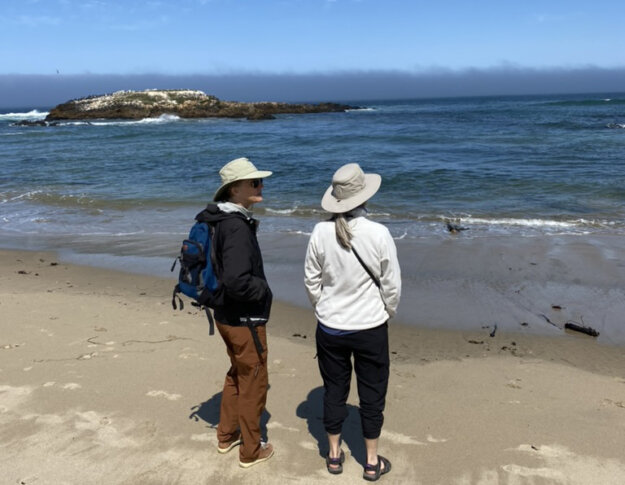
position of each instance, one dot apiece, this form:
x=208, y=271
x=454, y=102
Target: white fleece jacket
x=342, y=293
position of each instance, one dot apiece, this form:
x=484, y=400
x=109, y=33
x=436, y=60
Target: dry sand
x=101, y=382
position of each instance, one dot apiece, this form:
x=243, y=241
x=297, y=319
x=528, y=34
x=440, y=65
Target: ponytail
x=343, y=231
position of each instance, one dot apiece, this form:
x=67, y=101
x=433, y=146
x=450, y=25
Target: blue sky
x=306, y=38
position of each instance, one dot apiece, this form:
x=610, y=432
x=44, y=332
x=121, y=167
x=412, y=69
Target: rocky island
x=152, y=103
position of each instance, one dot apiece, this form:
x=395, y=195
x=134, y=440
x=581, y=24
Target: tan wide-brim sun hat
x=350, y=188
x=238, y=169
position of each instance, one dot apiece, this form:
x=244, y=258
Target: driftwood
x=574, y=326
x=580, y=328
x=548, y=321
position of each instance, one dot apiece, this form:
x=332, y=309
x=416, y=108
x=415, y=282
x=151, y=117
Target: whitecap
x=280, y=211
x=30, y=115
x=164, y=118
x=25, y=195
x=522, y=222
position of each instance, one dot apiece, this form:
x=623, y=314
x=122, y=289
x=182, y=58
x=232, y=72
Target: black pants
x=371, y=363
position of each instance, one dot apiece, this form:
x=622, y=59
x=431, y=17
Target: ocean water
x=550, y=164
x=125, y=192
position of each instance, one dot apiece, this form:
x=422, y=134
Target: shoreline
x=520, y=285
x=102, y=382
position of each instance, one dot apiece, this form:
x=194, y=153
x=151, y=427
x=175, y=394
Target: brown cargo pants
x=245, y=389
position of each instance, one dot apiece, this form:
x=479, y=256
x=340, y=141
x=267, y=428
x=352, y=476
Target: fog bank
x=39, y=91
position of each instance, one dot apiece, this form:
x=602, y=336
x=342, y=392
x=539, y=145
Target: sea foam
x=30, y=115
x=164, y=118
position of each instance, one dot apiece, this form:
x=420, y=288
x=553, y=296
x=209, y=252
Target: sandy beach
x=102, y=382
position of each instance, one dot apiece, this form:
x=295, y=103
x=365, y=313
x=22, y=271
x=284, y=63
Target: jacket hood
x=213, y=214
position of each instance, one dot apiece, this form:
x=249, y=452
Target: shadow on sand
x=312, y=411
x=208, y=411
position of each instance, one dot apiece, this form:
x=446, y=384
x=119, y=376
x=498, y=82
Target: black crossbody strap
x=256, y=339
x=366, y=268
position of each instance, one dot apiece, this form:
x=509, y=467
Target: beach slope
x=102, y=382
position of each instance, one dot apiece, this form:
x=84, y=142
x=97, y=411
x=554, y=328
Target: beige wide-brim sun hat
x=238, y=169
x=350, y=188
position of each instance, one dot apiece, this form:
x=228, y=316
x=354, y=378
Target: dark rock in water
x=133, y=105
x=34, y=123
x=455, y=228
x=260, y=116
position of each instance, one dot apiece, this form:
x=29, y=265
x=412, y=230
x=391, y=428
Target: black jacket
x=243, y=292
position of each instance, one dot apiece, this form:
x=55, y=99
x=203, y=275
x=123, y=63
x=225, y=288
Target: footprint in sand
x=104, y=433
x=514, y=384
x=399, y=438
x=610, y=402
x=27, y=480
x=275, y=425
x=431, y=439
x=201, y=437
x=527, y=472
x=11, y=346
x=187, y=356
x=166, y=395
x=72, y=386
x=558, y=464
x=307, y=445
x=87, y=356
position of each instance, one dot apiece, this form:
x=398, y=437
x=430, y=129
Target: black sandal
x=376, y=469
x=335, y=465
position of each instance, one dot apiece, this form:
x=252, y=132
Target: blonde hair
x=343, y=231
x=341, y=225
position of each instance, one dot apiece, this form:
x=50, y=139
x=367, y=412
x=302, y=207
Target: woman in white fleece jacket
x=353, y=281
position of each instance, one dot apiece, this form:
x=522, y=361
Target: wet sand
x=531, y=285
x=102, y=382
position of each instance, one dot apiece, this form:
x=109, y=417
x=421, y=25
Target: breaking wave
x=162, y=119
x=30, y=115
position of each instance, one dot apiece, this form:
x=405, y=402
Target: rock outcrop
x=134, y=105
x=34, y=123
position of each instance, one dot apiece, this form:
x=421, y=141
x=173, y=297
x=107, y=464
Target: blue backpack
x=197, y=278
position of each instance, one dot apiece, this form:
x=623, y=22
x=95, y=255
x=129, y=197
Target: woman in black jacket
x=242, y=304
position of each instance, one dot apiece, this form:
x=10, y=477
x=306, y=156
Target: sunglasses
x=256, y=183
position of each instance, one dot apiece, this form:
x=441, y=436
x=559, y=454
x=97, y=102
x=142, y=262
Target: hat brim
x=338, y=206
x=258, y=174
